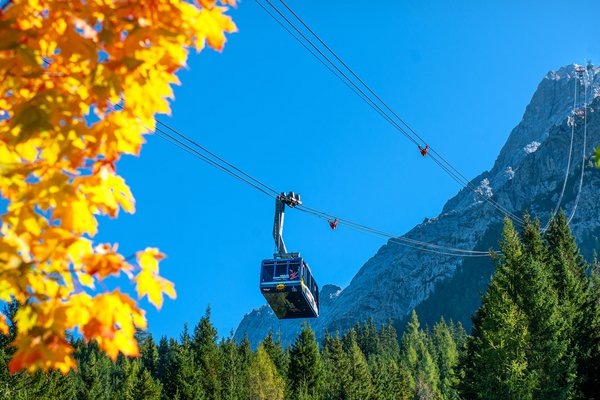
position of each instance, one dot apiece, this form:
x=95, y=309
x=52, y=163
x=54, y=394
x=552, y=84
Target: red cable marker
x=424, y=150
x=333, y=224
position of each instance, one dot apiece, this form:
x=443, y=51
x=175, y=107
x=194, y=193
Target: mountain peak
x=570, y=71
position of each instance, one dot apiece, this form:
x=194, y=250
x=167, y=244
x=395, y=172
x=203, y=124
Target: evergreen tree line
x=364, y=363
x=535, y=336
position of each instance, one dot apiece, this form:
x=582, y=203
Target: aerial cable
x=454, y=175
x=187, y=148
x=422, y=150
x=406, y=134
x=415, y=244
x=178, y=143
x=562, y=192
x=365, y=228
x=217, y=157
x=350, y=70
x=427, y=147
x=354, y=226
x=339, y=75
x=466, y=182
x=396, y=240
x=241, y=175
x=399, y=241
x=191, y=150
x=457, y=176
x=501, y=209
x=344, y=81
x=412, y=243
x=585, y=106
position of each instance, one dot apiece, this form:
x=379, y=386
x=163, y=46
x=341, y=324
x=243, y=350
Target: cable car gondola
x=286, y=280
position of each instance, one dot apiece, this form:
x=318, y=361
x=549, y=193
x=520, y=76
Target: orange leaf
x=106, y=261
x=45, y=351
x=3, y=325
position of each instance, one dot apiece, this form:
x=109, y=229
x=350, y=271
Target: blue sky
x=460, y=72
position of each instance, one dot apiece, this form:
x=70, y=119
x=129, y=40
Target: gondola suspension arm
x=292, y=200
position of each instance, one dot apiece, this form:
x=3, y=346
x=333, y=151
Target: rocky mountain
x=527, y=175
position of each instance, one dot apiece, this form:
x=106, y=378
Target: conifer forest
x=535, y=336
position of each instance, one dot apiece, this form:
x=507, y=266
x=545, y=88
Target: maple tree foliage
x=80, y=83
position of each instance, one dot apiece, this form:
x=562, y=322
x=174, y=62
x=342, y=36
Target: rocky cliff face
x=528, y=175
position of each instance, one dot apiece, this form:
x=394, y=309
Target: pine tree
x=166, y=372
x=206, y=356
x=54, y=385
x=93, y=382
x=148, y=352
x=367, y=338
x=234, y=373
x=38, y=386
x=389, y=380
x=305, y=365
x=264, y=381
x=146, y=387
x=333, y=359
x=123, y=378
x=533, y=245
x=570, y=278
x=176, y=370
x=458, y=334
x=496, y=364
x=590, y=345
x=446, y=355
x=416, y=358
x=388, y=339
x=356, y=381
x=245, y=351
x=188, y=382
x=276, y=353
x=549, y=355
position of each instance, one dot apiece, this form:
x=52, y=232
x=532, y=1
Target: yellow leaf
x=76, y=216
x=154, y=287
x=213, y=24
x=149, y=258
x=86, y=279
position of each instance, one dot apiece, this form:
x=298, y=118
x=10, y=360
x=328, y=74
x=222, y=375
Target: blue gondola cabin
x=289, y=287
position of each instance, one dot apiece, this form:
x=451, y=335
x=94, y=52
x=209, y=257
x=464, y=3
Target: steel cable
x=583, y=153
x=449, y=168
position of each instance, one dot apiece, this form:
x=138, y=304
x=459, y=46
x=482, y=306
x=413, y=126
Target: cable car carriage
x=286, y=280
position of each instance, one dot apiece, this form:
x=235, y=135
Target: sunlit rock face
x=527, y=175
